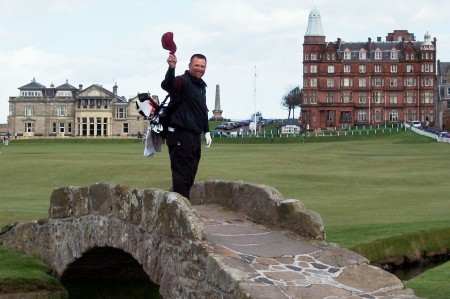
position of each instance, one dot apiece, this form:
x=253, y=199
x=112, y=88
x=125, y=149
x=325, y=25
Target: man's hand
x=172, y=61
x=208, y=140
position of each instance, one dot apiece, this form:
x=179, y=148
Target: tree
x=291, y=99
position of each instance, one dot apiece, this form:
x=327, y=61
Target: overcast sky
x=103, y=42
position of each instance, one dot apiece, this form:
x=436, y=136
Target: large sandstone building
x=367, y=83
x=69, y=111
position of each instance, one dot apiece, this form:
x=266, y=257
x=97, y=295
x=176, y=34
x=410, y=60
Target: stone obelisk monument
x=217, y=111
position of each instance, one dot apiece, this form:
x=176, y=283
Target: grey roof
x=384, y=47
x=32, y=86
x=66, y=86
x=444, y=68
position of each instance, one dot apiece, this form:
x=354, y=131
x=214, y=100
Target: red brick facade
x=368, y=83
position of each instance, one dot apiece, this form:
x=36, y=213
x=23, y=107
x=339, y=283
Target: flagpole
x=254, y=98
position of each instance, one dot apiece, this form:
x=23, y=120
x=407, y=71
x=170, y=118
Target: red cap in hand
x=168, y=43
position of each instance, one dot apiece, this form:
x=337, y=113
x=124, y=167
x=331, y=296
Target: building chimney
x=115, y=89
x=379, y=39
x=80, y=87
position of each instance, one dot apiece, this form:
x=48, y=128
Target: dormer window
x=63, y=93
x=31, y=93
x=394, y=54
x=347, y=54
x=378, y=54
x=362, y=54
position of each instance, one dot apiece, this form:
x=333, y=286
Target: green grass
x=366, y=188
x=433, y=284
x=22, y=273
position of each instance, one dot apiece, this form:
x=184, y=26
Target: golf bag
x=156, y=113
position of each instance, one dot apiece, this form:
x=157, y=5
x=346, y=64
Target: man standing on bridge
x=187, y=119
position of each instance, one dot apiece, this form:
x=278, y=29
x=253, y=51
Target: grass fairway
x=362, y=189
x=365, y=189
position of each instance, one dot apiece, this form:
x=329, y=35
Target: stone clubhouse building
x=69, y=111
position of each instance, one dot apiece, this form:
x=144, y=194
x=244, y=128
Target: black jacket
x=187, y=107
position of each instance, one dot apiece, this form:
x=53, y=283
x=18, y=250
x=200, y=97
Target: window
x=409, y=68
x=377, y=68
x=29, y=111
x=427, y=81
x=313, y=97
x=64, y=93
x=410, y=114
x=394, y=54
x=62, y=111
x=54, y=128
x=393, y=82
x=362, y=82
x=330, y=116
x=330, y=82
x=305, y=69
x=393, y=98
x=409, y=97
x=362, y=115
x=377, y=115
x=29, y=127
x=377, y=82
x=362, y=54
x=331, y=69
x=31, y=93
x=393, y=115
x=427, y=68
x=362, y=97
x=61, y=127
x=346, y=82
x=362, y=68
x=378, y=54
x=313, y=82
x=330, y=97
x=121, y=113
x=69, y=128
x=347, y=54
x=313, y=68
x=427, y=97
x=313, y=56
x=125, y=128
x=346, y=97
x=346, y=117
x=377, y=97
x=347, y=68
x=393, y=68
x=409, y=82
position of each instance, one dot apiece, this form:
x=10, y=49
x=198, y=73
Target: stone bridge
x=234, y=240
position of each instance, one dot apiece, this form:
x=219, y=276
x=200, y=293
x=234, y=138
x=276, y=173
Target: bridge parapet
x=262, y=203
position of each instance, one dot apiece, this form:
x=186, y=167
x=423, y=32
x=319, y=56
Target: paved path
x=273, y=263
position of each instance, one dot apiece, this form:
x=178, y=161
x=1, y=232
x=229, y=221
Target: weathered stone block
x=100, y=199
x=60, y=203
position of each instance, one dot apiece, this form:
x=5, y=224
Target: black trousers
x=185, y=152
